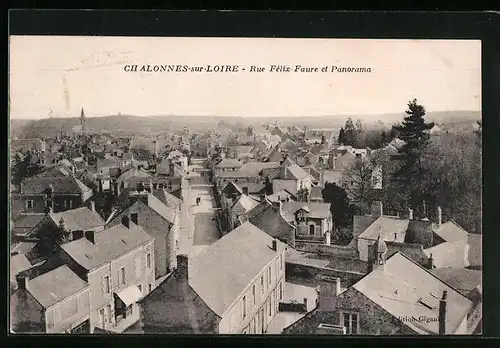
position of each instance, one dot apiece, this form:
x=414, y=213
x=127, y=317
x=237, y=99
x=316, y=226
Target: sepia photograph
x=258, y=186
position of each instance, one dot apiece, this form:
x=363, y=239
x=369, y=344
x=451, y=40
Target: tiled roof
x=28, y=221
x=298, y=173
x=221, y=272
x=55, y=286
x=405, y=289
x=79, y=219
x=387, y=226
x=462, y=279
x=450, y=231
x=449, y=254
x=316, y=210
x=109, y=244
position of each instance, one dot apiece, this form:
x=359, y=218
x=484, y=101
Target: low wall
x=292, y=307
x=312, y=274
x=335, y=250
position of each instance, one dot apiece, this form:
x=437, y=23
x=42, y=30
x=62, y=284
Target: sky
x=55, y=75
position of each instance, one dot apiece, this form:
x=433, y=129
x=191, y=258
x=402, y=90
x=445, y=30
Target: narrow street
x=201, y=222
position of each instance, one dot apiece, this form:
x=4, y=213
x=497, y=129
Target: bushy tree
x=341, y=139
x=303, y=195
x=24, y=167
x=350, y=132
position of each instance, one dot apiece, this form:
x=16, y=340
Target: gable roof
x=55, y=286
x=109, y=244
x=297, y=172
x=451, y=231
x=228, y=163
x=245, y=203
x=387, y=226
x=18, y=264
x=221, y=272
x=316, y=210
x=405, y=289
x=174, y=306
x=462, y=279
x=79, y=219
x=168, y=199
x=62, y=184
x=134, y=173
x=252, y=169
x=449, y=254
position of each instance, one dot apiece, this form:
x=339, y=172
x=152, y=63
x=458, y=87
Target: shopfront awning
x=129, y=295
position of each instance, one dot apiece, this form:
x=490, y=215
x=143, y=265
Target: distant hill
x=128, y=124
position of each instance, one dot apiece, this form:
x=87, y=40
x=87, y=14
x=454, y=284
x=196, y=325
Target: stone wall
x=311, y=274
x=335, y=250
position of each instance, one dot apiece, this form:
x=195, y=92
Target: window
x=253, y=294
x=281, y=291
x=106, y=285
x=244, y=300
x=281, y=263
x=269, y=275
x=150, y=287
x=351, y=322
x=262, y=284
x=148, y=259
x=108, y=311
x=270, y=307
x=49, y=317
x=311, y=230
x=29, y=204
x=122, y=275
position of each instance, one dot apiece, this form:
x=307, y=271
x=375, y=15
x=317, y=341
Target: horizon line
x=235, y=116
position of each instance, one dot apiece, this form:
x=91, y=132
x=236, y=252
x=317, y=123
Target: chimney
x=430, y=264
x=440, y=216
x=305, y=303
x=377, y=209
x=90, y=236
x=77, y=235
x=328, y=291
x=183, y=267
x=262, y=197
x=442, y=314
x=275, y=245
x=125, y=221
x=245, y=190
x=22, y=282
x=92, y=206
x=327, y=238
x=51, y=210
x=410, y=214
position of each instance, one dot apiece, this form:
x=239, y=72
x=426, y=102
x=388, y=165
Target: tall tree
x=357, y=182
x=414, y=131
x=341, y=139
x=339, y=207
x=24, y=167
x=350, y=132
x=303, y=195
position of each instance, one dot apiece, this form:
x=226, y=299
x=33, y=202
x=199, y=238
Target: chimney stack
x=134, y=218
x=377, y=209
x=305, y=303
x=245, y=190
x=275, y=245
x=51, y=210
x=22, y=282
x=410, y=214
x=430, y=264
x=92, y=206
x=90, y=236
x=183, y=267
x=125, y=221
x=329, y=289
x=440, y=216
x=442, y=314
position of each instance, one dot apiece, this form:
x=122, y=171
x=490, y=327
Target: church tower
x=83, y=121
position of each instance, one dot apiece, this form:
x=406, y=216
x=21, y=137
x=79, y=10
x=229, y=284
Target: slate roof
x=228, y=163
x=405, y=289
x=245, y=203
x=268, y=218
x=388, y=226
x=134, y=173
x=167, y=198
x=315, y=193
x=449, y=254
x=462, y=279
x=221, y=272
x=451, y=231
x=55, y=286
x=175, y=307
x=79, y=219
x=285, y=185
x=62, y=185
x=25, y=223
x=109, y=244
x=316, y=210
x=297, y=173
x=18, y=264
x=252, y=169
